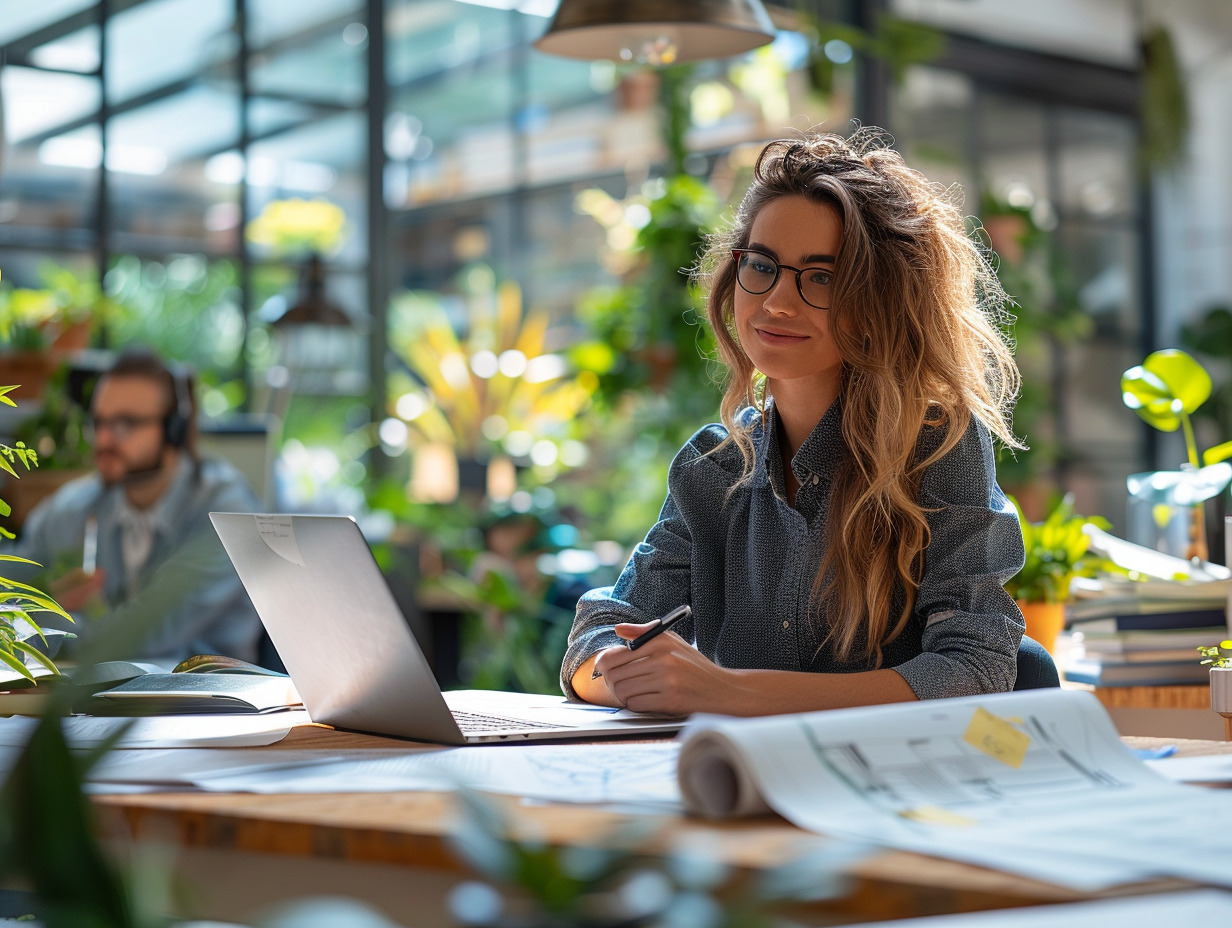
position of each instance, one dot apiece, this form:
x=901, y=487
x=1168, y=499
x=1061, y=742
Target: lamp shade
x=656, y=31
x=311, y=306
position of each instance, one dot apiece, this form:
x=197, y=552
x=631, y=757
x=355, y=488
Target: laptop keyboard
x=473, y=723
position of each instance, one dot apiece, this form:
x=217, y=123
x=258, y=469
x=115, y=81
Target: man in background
x=129, y=549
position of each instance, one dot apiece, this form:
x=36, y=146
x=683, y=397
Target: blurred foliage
x=35, y=319
x=649, y=333
x=1164, y=101
x=1057, y=551
x=21, y=602
x=613, y=884
x=514, y=637
x=25, y=318
x=297, y=227
x=898, y=43
x=48, y=837
x=497, y=387
x=516, y=618
x=1046, y=312
x=57, y=431
x=186, y=308
x=647, y=339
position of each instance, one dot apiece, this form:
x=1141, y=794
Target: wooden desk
x=392, y=849
x=1158, y=711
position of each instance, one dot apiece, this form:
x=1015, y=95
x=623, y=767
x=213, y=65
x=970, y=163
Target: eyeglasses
x=757, y=273
x=120, y=426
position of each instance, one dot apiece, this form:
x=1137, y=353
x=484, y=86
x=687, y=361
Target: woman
x=840, y=536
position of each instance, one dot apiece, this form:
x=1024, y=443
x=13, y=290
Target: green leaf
x=1168, y=385
x=4, y=394
x=60, y=854
x=1217, y=453
x=46, y=604
x=15, y=664
x=1185, y=377
x=37, y=655
x=38, y=629
x=19, y=560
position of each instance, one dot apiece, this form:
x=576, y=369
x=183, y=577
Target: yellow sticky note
x=936, y=815
x=997, y=738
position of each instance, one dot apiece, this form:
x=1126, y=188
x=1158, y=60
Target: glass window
x=271, y=21
x=39, y=102
x=161, y=199
x=1096, y=165
x=933, y=119
x=77, y=51
x=156, y=44
x=51, y=190
x=1012, y=152
x=1054, y=188
x=326, y=67
x=20, y=19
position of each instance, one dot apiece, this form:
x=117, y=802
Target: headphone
x=177, y=425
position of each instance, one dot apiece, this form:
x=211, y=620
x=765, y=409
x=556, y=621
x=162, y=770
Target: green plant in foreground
x=1057, y=551
x=20, y=601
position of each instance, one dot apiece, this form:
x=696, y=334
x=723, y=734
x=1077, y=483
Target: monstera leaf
x=1166, y=388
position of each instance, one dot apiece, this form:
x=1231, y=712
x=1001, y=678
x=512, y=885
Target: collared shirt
x=184, y=592
x=747, y=564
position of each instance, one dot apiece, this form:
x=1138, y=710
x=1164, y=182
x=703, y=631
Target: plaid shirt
x=747, y=566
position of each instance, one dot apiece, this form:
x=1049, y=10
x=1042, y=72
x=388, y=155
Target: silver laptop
x=351, y=653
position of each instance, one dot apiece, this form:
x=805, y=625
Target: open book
x=205, y=683
x=1035, y=782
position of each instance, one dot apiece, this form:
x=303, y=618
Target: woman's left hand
x=667, y=675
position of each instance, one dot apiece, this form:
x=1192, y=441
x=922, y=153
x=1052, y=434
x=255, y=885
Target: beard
x=129, y=471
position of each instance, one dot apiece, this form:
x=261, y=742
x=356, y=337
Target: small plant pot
x=1044, y=622
x=1221, y=690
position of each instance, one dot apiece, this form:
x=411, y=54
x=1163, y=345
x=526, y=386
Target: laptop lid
x=350, y=651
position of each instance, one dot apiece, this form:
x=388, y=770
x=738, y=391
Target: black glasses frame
x=121, y=426
x=738, y=253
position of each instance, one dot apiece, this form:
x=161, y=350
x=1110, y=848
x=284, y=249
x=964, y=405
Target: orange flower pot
x=1044, y=622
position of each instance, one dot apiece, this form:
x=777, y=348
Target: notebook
x=353, y=657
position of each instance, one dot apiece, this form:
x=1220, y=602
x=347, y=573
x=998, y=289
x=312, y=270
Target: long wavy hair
x=915, y=312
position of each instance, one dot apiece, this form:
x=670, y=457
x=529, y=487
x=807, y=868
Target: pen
x=666, y=622
x=89, y=547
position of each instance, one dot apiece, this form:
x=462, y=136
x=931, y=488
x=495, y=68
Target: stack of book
x=1145, y=633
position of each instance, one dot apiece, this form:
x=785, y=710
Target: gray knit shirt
x=747, y=566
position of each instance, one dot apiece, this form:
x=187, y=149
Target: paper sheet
x=1076, y=808
x=180, y=731
x=589, y=773
x=1209, y=768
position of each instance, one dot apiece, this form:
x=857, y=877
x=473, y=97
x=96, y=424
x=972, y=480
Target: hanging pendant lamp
x=656, y=31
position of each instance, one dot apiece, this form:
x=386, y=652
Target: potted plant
x=26, y=329
x=1057, y=550
x=40, y=328
x=1220, y=658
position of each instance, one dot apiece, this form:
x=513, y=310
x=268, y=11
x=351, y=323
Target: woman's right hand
x=590, y=683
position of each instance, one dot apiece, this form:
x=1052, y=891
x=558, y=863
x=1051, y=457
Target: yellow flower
x=295, y=225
